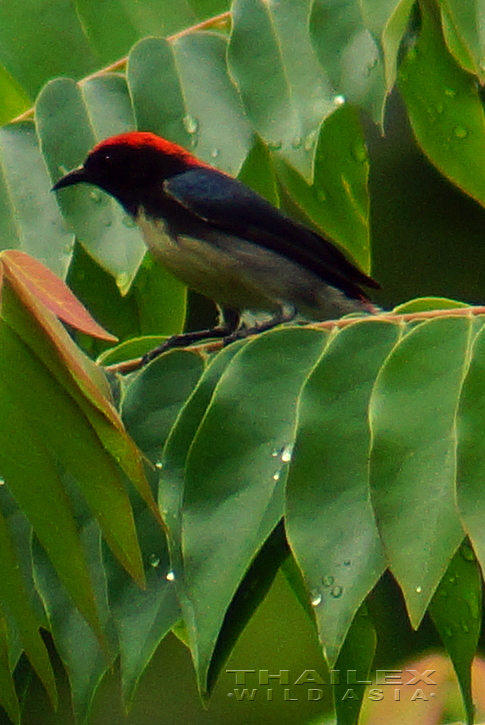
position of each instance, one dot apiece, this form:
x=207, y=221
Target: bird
x=222, y=239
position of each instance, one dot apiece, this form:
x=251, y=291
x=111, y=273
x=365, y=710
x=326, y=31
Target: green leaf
x=463, y=29
x=29, y=216
x=154, y=83
x=285, y=92
x=471, y=454
x=155, y=396
x=79, y=649
x=455, y=610
x=8, y=695
x=387, y=21
x=33, y=476
x=14, y=596
x=182, y=91
x=423, y=304
x=445, y=109
x=258, y=172
x=142, y=617
x=249, y=595
x=413, y=456
x=355, y=660
x=330, y=522
x=14, y=99
x=86, y=113
x=235, y=473
x=177, y=446
x=348, y=53
x=338, y=200
x=75, y=445
x=114, y=25
x=34, y=51
x=223, y=135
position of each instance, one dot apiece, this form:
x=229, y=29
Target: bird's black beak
x=76, y=176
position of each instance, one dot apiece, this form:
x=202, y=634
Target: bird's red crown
x=141, y=139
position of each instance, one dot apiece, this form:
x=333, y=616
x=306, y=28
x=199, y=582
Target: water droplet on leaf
x=286, y=453
x=215, y=153
x=315, y=598
x=154, y=560
x=95, y=195
x=191, y=124
x=170, y=577
x=336, y=592
x=159, y=465
x=419, y=590
x=276, y=476
x=328, y=580
x=339, y=100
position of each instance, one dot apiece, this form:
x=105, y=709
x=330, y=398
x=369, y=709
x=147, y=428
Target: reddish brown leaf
x=23, y=270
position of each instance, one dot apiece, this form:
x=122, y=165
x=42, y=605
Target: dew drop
x=170, y=577
x=191, y=124
x=63, y=169
x=315, y=598
x=310, y=140
x=286, y=453
x=159, y=465
x=275, y=454
x=460, y=132
x=215, y=153
x=2, y=482
x=419, y=590
x=296, y=142
x=338, y=100
x=276, y=476
x=154, y=560
x=194, y=140
x=336, y=592
x=328, y=580
x=95, y=195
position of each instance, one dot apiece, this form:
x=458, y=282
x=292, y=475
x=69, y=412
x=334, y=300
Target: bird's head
x=131, y=167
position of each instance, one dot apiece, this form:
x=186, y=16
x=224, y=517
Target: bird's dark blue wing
x=228, y=204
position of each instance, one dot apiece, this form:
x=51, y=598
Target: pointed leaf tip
x=25, y=272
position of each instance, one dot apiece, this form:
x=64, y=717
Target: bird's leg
x=287, y=313
x=227, y=325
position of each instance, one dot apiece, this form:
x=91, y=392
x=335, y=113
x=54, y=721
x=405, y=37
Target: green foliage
x=334, y=453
